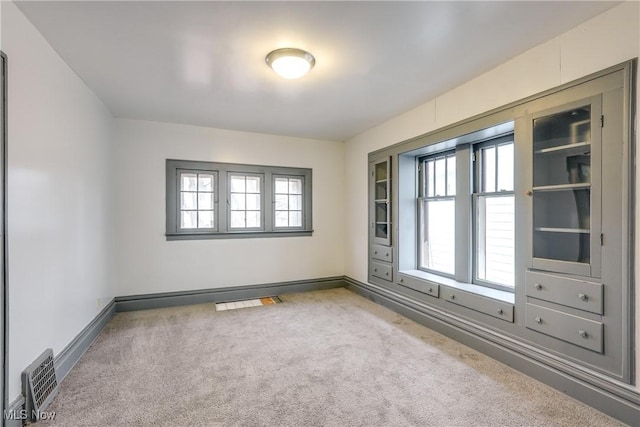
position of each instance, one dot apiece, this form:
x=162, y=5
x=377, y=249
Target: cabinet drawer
x=567, y=327
x=419, y=285
x=383, y=253
x=492, y=307
x=561, y=290
x=381, y=270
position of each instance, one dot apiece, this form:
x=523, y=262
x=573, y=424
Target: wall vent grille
x=40, y=384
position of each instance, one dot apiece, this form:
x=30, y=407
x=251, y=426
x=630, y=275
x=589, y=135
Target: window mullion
x=463, y=213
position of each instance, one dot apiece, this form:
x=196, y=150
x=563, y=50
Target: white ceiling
x=202, y=63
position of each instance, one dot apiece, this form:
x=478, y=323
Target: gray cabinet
x=572, y=302
x=380, y=173
x=576, y=204
x=380, y=249
x=566, y=144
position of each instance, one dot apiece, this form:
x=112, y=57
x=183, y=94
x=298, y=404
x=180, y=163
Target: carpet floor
x=326, y=358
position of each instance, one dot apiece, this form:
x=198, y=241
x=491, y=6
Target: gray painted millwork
x=222, y=205
x=574, y=317
x=411, y=282
x=14, y=408
x=576, y=293
x=71, y=354
x=382, y=253
x=616, y=399
x=236, y=293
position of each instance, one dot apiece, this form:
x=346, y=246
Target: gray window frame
x=478, y=161
x=215, y=199
x=303, y=196
x=423, y=197
x=222, y=171
x=262, y=204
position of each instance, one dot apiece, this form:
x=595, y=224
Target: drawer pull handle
x=375, y=252
x=375, y=270
x=430, y=290
x=538, y=320
x=538, y=286
x=583, y=297
x=387, y=254
x=500, y=311
x=452, y=296
x=386, y=273
x=583, y=334
x=401, y=280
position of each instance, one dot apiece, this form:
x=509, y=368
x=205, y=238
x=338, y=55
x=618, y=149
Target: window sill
x=238, y=235
x=503, y=296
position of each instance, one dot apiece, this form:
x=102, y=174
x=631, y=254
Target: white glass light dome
x=290, y=63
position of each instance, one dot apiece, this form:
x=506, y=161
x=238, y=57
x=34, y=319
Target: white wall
x=148, y=263
x=604, y=41
x=59, y=198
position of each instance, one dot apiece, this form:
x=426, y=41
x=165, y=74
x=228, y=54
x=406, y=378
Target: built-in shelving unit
x=572, y=307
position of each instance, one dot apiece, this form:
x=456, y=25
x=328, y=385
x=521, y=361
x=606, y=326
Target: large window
x=437, y=213
x=494, y=213
x=222, y=200
x=472, y=184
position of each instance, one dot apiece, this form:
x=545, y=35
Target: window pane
x=253, y=219
x=253, y=184
x=238, y=184
x=282, y=185
x=237, y=219
x=441, y=171
x=451, y=175
x=505, y=167
x=237, y=202
x=188, y=219
x=282, y=202
x=205, y=182
x=188, y=182
x=438, y=231
x=431, y=191
x=495, y=240
x=489, y=169
x=253, y=202
x=205, y=201
x=205, y=219
x=295, y=186
x=295, y=219
x=188, y=200
x=282, y=219
x=295, y=203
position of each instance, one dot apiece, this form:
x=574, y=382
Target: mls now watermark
x=23, y=414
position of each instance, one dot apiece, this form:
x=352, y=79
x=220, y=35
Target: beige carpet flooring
x=326, y=358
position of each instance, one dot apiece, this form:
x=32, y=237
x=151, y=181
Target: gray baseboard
x=71, y=354
x=615, y=399
x=65, y=360
x=236, y=293
x=13, y=417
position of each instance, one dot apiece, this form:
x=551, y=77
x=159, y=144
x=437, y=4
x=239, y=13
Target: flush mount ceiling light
x=290, y=63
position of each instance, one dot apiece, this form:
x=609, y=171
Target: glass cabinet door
x=382, y=202
x=566, y=191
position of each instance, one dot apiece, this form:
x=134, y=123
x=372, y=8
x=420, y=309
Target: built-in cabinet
x=572, y=305
x=381, y=253
x=563, y=282
x=566, y=144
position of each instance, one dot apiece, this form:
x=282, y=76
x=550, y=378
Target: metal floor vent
x=39, y=384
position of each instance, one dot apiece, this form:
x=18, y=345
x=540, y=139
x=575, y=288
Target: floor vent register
x=223, y=306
